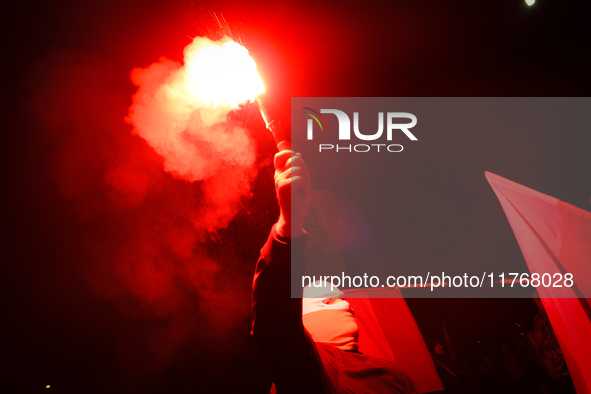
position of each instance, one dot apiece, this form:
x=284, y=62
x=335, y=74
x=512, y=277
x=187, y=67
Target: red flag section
x=387, y=329
x=555, y=238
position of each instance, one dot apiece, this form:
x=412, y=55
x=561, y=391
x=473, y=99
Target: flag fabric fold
x=387, y=329
x=555, y=239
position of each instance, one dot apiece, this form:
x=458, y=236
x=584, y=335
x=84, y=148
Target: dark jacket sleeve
x=284, y=344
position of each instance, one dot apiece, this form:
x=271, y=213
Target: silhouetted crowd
x=531, y=362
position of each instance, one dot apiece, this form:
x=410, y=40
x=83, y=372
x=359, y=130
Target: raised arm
x=284, y=344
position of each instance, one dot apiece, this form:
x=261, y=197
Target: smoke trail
x=146, y=205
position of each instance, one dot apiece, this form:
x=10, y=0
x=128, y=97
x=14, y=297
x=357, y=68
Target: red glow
x=141, y=229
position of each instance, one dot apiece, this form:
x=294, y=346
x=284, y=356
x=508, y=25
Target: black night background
x=111, y=282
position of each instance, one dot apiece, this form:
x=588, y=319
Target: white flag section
x=555, y=238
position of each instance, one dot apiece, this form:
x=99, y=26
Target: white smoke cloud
x=182, y=112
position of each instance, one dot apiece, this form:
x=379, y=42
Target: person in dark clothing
x=296, y=362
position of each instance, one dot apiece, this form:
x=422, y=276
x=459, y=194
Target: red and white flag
x=555, y=238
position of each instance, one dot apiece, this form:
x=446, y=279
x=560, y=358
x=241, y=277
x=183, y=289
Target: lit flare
x=222, y=74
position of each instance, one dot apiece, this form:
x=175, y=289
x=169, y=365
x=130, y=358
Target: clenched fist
x=293, y=186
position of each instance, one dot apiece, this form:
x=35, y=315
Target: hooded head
x=328, y=317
